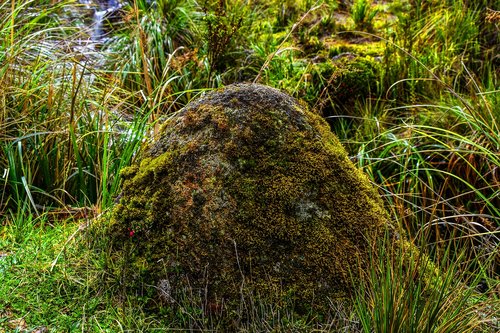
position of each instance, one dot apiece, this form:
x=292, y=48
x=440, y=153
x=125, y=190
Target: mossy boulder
x=247, y=192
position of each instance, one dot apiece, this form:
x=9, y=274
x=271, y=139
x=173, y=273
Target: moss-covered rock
x=247, y=192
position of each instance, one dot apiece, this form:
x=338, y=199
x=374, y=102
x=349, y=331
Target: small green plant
x=223, y=23
x=287, y=12
x=363, y=14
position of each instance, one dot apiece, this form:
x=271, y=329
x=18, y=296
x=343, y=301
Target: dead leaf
x=17, y=324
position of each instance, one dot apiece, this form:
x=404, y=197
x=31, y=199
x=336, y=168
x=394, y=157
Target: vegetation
x=410, y=88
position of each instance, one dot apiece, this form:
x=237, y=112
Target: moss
x=341, y=82
x=363, y=46
x=247, y=191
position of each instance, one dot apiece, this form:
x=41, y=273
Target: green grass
x=50, y=279
x=401, y=298
x=363, y=14
x=40, y=281
x=418, y=112
x=62, y=138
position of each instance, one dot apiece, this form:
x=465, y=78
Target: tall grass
x=400, y=295
x=169, y=50
x=440, y=167
x=439, y=37
x=63, y=140
x=152, y=46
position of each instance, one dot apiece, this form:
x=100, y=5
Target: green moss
x=332, y=85
x=247, y=191
x=360, y=45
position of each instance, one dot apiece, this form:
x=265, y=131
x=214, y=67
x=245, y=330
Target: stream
x=101, y=11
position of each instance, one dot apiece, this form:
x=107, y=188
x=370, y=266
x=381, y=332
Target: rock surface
x=247, y=192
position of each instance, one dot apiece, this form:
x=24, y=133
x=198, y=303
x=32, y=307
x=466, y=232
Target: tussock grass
x=62, y=140
x=400, y=295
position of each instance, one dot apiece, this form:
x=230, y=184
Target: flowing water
x=102, y=10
